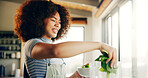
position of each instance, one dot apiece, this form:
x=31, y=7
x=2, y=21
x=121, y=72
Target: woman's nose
x=57, y=24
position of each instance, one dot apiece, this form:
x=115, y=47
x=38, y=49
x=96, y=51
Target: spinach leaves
x=105, y=67
x=86, y=66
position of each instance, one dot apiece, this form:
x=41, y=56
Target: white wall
x=7, y=12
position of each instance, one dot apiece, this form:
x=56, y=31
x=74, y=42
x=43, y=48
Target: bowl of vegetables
x=101, y=67
x=83, y=71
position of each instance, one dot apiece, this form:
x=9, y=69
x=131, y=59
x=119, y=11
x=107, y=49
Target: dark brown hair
x=29, y=19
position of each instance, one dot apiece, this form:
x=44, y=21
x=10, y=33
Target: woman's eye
x=53, y=20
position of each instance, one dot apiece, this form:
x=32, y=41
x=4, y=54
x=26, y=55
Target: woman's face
x=52, y=26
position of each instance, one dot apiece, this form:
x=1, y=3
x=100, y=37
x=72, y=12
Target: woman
x=38, y=23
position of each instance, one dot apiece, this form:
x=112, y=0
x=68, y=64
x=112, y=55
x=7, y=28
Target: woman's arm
x=62, y=50
x=68, y=49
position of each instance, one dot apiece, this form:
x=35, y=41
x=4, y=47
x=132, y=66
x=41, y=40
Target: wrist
x=100, y=45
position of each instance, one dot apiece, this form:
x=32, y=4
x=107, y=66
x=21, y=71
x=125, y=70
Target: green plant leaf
x=105, y=67
x=86, y=66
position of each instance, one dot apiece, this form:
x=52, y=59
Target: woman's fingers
x=110, y=54
x=113, y=57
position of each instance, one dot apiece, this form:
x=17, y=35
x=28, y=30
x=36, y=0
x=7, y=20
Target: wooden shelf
x=74, y=5
x=10, y=59
x=102, y=7
x=10, y=44
x=9, y=51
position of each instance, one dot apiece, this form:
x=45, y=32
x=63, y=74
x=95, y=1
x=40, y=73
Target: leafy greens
x=105, y=67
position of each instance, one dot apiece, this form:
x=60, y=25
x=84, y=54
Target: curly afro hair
x=29, y=19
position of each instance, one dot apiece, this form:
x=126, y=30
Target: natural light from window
x=126, y=39
x=142, y=38
x=115, y=31
x=109, y=31
x=74, y=34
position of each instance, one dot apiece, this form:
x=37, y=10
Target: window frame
x=105, y=35
x=105, y=32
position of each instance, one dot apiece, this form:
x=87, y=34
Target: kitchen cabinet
x=10, y=50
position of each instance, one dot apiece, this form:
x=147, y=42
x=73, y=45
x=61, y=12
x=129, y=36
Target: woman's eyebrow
x=56, y=18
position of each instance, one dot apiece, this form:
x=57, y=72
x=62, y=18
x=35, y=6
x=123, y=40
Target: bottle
x=2, y=71
x=13, y=69
x=17, y=73
x=18, y=55
x=12, y=55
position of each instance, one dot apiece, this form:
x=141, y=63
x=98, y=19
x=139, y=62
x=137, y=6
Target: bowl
x=83, y=71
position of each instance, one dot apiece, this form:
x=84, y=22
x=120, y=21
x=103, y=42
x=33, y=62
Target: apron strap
x=26, y=75
x=63, y=61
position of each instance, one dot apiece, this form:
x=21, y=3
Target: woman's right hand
x=112, y=52
x=76, y=75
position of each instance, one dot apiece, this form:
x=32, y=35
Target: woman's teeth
x=54, y=30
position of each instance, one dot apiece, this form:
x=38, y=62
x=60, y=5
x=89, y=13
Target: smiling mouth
x=55, y=30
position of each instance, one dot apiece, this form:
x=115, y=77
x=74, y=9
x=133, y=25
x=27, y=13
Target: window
x=126, y=38
x=111, y=30
x=132, y=36
x=76, y=33
x=141, y=31
x=118, y=31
